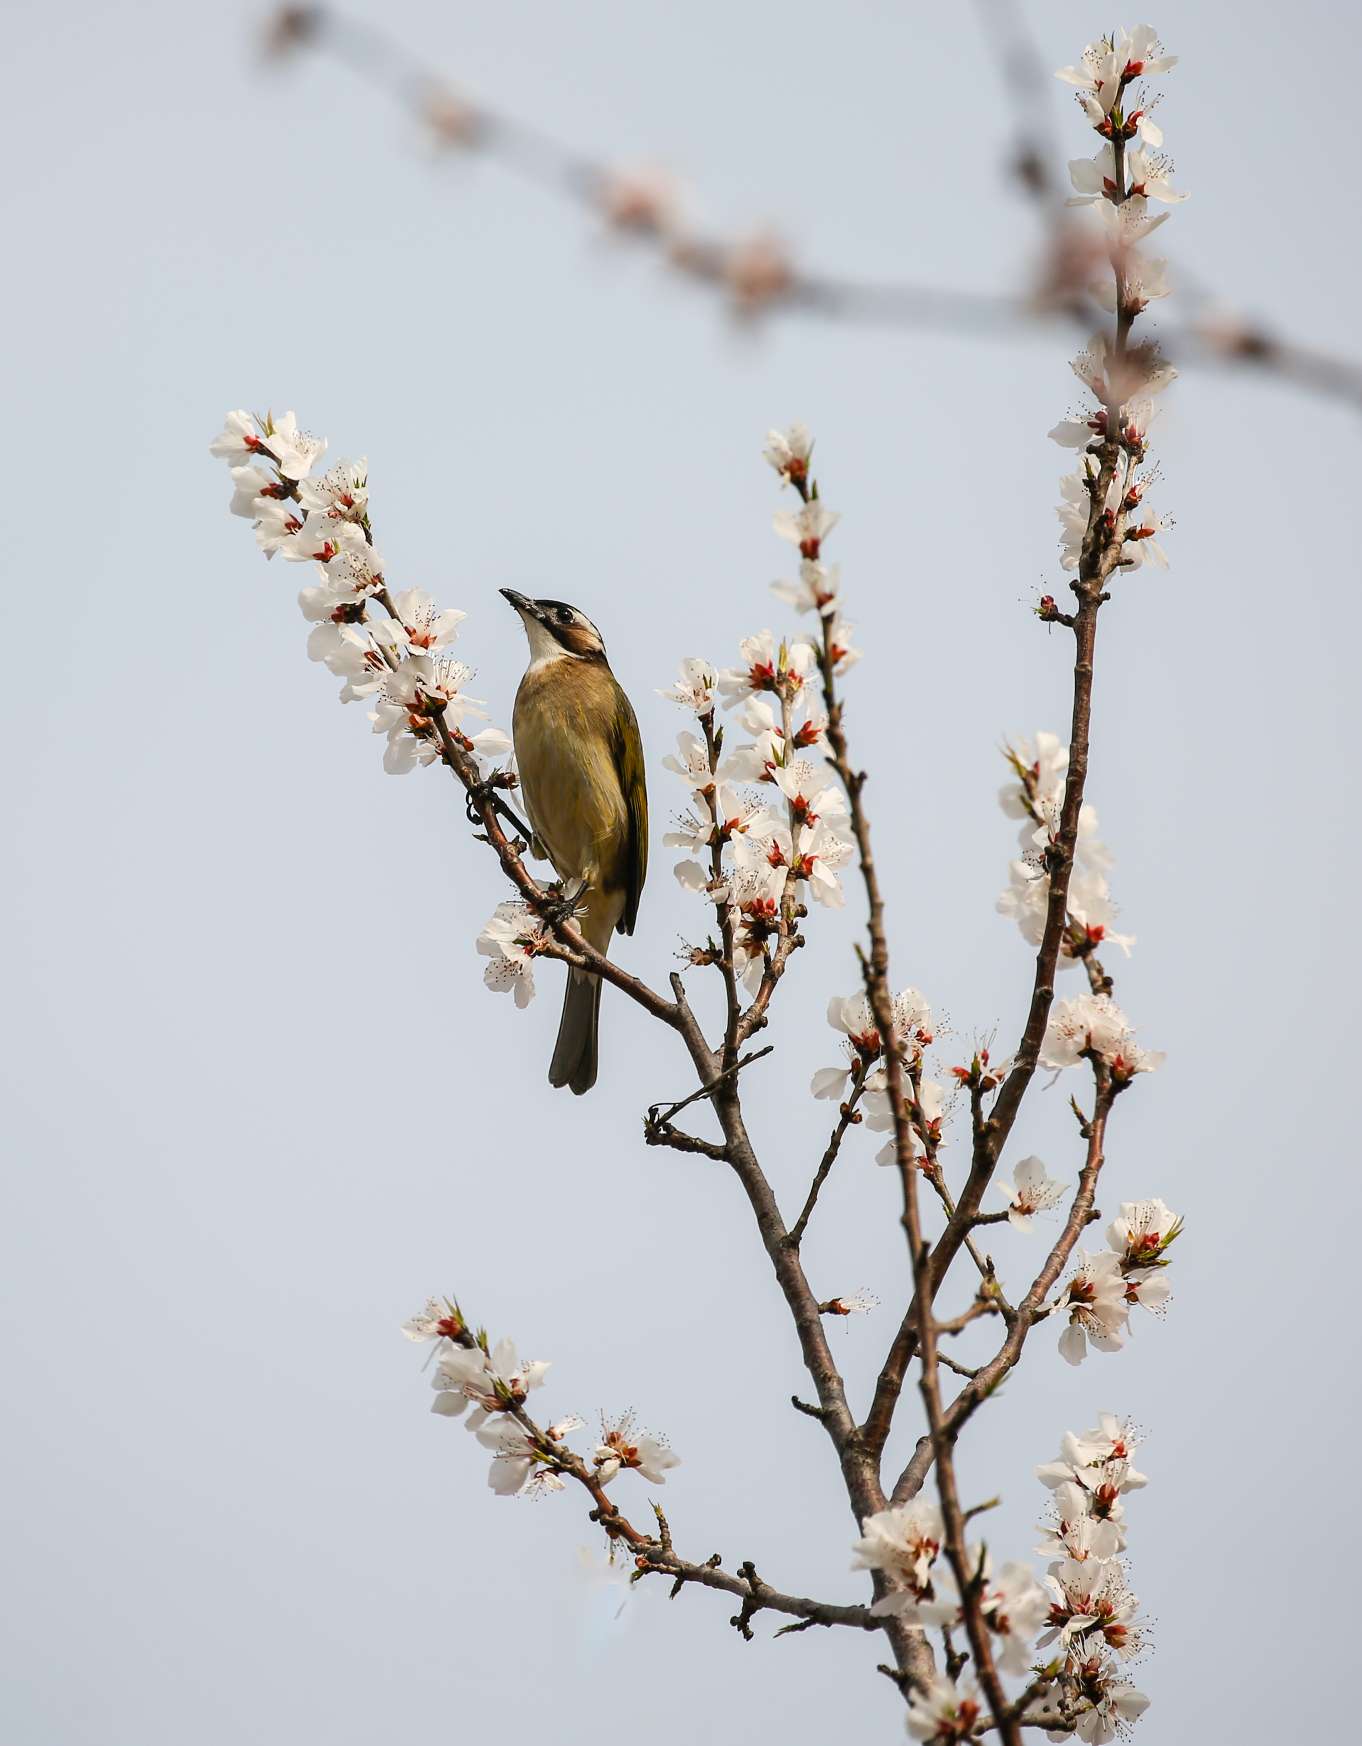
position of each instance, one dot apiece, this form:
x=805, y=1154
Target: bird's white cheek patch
x=544, y=646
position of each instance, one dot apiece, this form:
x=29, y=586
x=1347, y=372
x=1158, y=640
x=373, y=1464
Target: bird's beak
x=522, y=603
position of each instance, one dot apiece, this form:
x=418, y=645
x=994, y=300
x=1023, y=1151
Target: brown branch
x=847, y=1118
x=1031, y=1309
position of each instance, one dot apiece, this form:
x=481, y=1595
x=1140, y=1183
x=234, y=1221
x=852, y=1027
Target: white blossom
x=248, y=485
x=511, y=938
x=1014, y=1607
x=425, y=627
x=767, y=665
x=512, y=1460
x=1094, y=1306
x=852, y=1016
x=1148, y=177
x=1091, y=1599
x=295, y=451
x=1143, y=1231
x=905, y=1542
x=817, y=589
x=1075, y=1533
x=342, y=492
x=788, y=451
x=623, y=1446
x=1094, y=1024
x=239, y=439
x=438, y=1320
x=842, y=652
x=1114, y=1701
x=1032, y=1190
x=491, y=1382
x=690, y=761
x=806, y=527
x=411, y=700
x=939, y=1711
x=694, y=689
x=354, y=569
x=358, y=653
x=275, y=526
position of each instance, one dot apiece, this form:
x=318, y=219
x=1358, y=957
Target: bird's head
x=556, y=630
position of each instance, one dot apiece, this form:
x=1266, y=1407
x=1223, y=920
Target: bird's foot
x=558, y=904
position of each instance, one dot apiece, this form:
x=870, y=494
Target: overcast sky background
x=257, y=1100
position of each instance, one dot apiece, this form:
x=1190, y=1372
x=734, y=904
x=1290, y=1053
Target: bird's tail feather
x=574, y=1054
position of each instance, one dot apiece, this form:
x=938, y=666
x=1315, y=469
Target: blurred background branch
x=759, y=273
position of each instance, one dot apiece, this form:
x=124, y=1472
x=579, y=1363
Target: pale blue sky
x=258, y=1102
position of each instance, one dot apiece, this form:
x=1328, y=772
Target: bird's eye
x=565, y=615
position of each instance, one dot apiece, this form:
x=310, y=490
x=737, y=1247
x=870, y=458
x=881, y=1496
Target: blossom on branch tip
x=788, y=451
x=1031, y=1191
x=694, y=689
x=239, y=439
x=1114, y=61
x=856, y=1303
x=439, y=1320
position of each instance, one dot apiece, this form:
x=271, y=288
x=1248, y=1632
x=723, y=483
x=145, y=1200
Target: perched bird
x=581, y=773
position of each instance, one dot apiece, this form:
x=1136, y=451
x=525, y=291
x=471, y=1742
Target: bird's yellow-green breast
x=582, y=773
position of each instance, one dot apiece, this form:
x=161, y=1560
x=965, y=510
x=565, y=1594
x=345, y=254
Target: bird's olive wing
x=628, y=750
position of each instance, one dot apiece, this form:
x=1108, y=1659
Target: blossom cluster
x=488, y=1385
x=1035, y=797
x=1071, y=1634
x=764, y=824
x=1106, y=1285
x=1093, y=1625
x=390, y=649
x=861, y=1084
x=1102, y=501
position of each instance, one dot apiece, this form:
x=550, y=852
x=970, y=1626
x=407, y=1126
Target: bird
x=580, y=759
